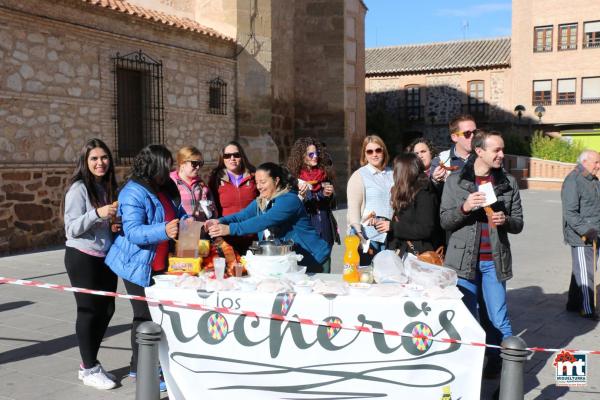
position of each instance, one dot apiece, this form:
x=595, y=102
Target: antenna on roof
x=465, y=28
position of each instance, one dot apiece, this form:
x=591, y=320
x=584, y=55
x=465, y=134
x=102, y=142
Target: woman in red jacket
x=233, y=187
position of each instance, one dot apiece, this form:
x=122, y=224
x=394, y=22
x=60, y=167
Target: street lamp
x=519, y=110
x=539, y=111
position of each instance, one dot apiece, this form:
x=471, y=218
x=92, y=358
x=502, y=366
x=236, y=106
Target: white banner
x=209, y=355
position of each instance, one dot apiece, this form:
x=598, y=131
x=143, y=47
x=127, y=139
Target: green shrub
x=548, y=148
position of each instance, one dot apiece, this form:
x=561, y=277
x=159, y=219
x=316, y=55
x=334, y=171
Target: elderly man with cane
x=580, y=196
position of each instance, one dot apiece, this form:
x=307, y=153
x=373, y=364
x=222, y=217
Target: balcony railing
x=481, y=111
x=413, y=113
x=539, y=102
x=591, y=100
x=564, y=102
x=564, y=47
x=591, y=44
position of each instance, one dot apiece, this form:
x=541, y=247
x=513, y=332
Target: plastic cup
x=219, y=268
x=239, y=269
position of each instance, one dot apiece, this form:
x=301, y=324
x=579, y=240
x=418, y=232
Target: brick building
x=178, y=72
x=550, y=60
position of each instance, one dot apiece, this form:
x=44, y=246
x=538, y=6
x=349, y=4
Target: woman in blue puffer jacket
x=277, y=213
x=150, y=208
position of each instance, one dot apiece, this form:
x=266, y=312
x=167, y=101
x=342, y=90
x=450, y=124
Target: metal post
x=513, y=355
x=148, y=380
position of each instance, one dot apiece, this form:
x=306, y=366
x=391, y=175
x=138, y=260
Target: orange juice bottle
x=351, y=258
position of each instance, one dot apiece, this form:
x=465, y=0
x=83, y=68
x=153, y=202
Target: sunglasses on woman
x=196, y=163
x=313, y=154
x=227, y=156
x=378, y=150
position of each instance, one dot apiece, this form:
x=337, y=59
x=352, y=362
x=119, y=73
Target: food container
x=274, y=247
x=359, y=288
x=165, y=280
x=271, y=266
x=246, y=285
x=303, y=287
x=365, y=274
x=179, y=265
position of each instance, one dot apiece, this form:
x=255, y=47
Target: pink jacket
x=191, y=194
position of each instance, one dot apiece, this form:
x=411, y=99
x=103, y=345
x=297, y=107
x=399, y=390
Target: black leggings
x=93, y=312
x=141, y=313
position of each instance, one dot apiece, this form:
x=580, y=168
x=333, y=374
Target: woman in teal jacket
x=150, y=208
x=278, y=213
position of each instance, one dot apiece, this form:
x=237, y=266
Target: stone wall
x=319, y=80
x=283, y=70
x=444, y=94
x=57, y=91
x=354, y=88
x=30, y=200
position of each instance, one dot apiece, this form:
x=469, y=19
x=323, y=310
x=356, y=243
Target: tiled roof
x=158, y=16
x=430, y=57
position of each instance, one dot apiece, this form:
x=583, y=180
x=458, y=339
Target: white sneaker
x=96, y=377
x=82, y=372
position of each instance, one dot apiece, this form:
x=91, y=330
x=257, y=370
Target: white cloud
x=474, y=11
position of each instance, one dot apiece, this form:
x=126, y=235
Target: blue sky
x=394, y=22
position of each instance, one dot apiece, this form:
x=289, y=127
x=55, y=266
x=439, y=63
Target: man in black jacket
x=580, y=196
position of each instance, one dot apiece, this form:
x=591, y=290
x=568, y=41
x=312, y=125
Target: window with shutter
x=542, y=93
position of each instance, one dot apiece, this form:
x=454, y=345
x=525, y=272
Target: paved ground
x=39, y=356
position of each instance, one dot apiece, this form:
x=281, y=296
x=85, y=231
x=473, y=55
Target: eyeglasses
x=466, y=134
x=313, y=154
x=378, y=150
x=227, y=156
x=196, y=163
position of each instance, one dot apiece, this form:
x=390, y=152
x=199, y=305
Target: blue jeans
x=486, y=287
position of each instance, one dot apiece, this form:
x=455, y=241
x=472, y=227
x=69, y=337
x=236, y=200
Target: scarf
x=314, y=176
x=264, y=203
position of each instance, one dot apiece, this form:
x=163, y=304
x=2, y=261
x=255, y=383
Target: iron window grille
x=542, y=93
x=590, y=90
x=217, y=96
x=413, y=110
x=565, y=91
x=138, y=104
x=591, y=34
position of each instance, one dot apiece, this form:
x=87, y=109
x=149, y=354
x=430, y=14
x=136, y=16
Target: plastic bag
x=429, y=275
x=388, y=268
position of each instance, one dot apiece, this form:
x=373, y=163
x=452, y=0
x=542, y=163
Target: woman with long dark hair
x=415, y=226
x=150, y=208
x=233, y=186
x=277, y=213
x=88, y=208
x=312, y=166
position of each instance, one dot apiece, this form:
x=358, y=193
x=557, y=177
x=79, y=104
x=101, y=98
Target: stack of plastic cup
x=219, y=268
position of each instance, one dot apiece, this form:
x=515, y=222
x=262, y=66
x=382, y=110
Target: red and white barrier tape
x=305, y=321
